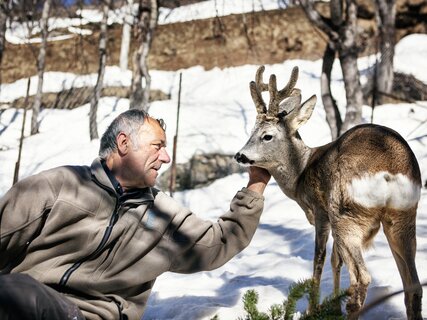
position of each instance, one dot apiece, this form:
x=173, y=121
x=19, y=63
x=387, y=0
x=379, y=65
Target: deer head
x=274, y=137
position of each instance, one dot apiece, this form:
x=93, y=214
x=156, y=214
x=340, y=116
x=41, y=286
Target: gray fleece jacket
x=69, y=229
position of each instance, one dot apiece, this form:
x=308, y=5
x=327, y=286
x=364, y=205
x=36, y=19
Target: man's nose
x=164, y=156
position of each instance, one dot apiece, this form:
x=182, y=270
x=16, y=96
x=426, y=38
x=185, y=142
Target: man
x=80, y=242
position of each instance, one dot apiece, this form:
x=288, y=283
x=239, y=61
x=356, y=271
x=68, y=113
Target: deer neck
x=293, y=163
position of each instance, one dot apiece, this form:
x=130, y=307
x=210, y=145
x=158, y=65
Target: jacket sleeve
x=22, y=212
x=199, y=245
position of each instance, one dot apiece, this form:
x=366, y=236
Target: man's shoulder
x=67, y=174
x=67, y=170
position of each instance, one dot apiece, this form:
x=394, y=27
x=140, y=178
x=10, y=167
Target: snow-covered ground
x=217, y=115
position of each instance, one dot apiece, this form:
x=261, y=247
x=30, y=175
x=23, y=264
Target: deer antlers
x=258, y=86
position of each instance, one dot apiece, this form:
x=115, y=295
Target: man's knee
x=15, y=283
x=15, y=297
x=22, y=295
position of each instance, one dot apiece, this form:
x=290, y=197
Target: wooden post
x=21, y=140
x=175, y=142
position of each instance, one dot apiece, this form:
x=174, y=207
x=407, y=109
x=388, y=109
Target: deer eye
x=267, y=137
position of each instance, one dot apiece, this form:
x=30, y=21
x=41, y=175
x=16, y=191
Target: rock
x=200, y=171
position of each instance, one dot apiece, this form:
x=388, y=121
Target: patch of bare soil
x=76, y=97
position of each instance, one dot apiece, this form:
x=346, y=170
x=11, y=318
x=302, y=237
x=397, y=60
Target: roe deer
x=367, y=177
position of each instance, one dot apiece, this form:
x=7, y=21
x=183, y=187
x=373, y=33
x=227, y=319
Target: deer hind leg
x=349, y=244
x=399, y=228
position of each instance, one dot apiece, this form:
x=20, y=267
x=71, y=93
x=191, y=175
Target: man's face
x=145, y=159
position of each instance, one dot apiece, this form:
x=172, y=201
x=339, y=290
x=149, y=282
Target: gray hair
x=128, y=122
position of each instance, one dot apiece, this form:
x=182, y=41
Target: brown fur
x=319, y=180
x=322, y=190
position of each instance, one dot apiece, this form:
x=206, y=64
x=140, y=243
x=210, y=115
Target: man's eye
x=267, y=137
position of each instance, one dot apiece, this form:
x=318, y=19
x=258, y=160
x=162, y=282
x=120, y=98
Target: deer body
x=367, y=177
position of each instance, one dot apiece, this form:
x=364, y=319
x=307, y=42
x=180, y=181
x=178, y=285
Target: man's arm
x=22, y=211
x=258, y=179
x=196, y=244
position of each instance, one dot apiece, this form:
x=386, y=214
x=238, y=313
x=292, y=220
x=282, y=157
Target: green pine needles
x=329, y=309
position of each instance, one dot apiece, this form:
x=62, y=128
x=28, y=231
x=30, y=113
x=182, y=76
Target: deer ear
x=289, y=104
x=300, y=114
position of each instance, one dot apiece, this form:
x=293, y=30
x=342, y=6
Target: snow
x=217, y=115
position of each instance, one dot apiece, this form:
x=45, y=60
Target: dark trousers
x=24, y=298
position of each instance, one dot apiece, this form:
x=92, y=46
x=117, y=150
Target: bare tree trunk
x=3, y=20
x=41, y=60
x=341, y=29
x=93, y=127
x=348, y=52
x=126, y=32
x=386, y=17
x=146, y=23
x=144, y=67
x=333, y=116
x=353, y=91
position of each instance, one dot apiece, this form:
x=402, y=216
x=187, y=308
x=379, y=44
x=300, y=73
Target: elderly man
x=79, y=242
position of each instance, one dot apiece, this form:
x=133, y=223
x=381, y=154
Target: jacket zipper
x=106, y=236
x=120, y=309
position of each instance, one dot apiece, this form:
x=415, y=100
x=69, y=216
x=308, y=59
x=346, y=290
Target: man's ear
x=123, y=143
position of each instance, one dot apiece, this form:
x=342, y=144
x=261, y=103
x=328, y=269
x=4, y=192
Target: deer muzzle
x=243, y=159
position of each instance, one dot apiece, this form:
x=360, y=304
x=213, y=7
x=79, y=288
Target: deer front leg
x=322, y=227
x=336, y=263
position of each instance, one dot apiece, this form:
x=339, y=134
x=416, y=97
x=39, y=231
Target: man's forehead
x=154, y=122
x=152, y=126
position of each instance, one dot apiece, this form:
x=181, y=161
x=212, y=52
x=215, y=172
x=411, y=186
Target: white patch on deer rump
x=383, y=189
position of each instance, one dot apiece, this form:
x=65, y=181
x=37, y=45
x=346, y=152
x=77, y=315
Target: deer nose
x=242, y=158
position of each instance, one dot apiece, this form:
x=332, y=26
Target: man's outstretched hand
x=258, y=179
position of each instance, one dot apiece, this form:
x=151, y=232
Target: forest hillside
x=261, y=37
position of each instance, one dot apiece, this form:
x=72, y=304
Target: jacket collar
x=99, y=174
x=116, y=184
x=105, y=177
x=137, y=196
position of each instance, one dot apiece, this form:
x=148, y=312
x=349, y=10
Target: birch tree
x=102, y=49
x=41, y=61
x=126, y=34
x=144, y=29
x=341, y=30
